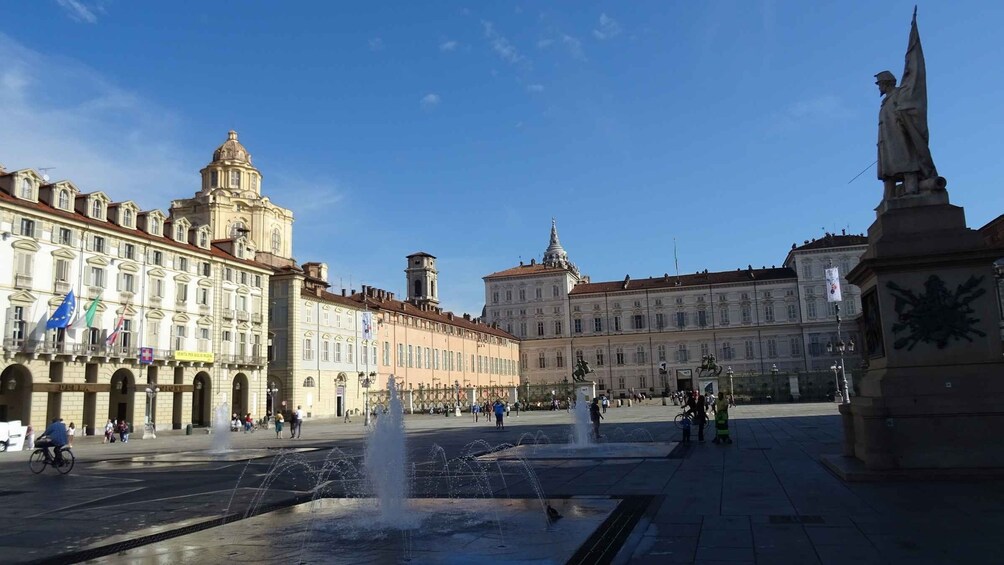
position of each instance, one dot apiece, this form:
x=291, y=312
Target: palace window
x=681, y=354
x=542, y=361
x=235, y=179
x=26, y=189
x=64, y=200
x=599, y=358
x=127, y=218
x=597, y=324
x=619, y=355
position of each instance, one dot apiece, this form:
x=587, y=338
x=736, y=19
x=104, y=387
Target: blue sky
x=461, y=128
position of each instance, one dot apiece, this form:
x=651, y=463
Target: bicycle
x=39, y=460
x=678, y=420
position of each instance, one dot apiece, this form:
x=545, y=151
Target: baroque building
x=176, y=315
x=650, y=335
x=329, y=347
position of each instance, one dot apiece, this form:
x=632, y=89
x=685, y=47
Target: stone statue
x=903, y=152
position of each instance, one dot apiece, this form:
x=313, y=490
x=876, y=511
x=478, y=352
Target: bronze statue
x=581, y=370
x=709, y=367
x=904, y=154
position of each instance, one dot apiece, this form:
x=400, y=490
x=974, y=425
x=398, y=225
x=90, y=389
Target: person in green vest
x=722, y=420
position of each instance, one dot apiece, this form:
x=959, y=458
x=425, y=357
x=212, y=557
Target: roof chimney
x=343, y=292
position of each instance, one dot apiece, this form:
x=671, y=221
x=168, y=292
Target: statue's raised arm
x=904, y=154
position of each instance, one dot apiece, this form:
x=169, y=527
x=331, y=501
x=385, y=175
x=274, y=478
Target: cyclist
x=54, y=436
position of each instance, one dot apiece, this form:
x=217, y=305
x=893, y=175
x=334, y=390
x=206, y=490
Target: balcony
x=22, y=281
x=122, y=352
x=204, y=309
x=90, y=350
x=243, y=316
x=61, y=287
x=155, y=301
x=94, y=291
x=242, y=359
x=228, y=314
x=256, y=318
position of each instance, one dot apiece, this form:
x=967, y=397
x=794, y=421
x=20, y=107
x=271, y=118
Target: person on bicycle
x=54, y=436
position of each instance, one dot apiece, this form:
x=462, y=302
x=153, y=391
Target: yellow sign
x=198, y=356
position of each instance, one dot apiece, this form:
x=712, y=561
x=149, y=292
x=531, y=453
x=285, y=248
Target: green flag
x=87, y=320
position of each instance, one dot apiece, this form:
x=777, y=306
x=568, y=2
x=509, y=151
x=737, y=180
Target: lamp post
x=365, y=381
x=732, y=391
x=456, y=392
x=841, y=347
x=271, y=391
x=149, y=430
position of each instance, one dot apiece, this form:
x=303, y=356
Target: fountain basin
x=642, y=450
x=348, y=530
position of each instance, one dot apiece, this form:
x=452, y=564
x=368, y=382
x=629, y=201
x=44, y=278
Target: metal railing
x=243, y=316
x=228, y=314
x=61, y=287
x=22, y=281
x=256, y=318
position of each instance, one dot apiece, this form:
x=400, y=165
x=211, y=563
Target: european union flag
x=62, y=316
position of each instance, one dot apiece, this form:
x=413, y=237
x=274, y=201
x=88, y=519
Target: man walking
x=299, y=421
x=499, y=413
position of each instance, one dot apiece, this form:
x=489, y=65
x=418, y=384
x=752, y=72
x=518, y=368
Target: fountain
x=385, y=463
x=221, y=429
x=583, y=436
x=363, y=512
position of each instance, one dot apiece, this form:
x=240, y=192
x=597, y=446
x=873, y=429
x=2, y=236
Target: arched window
x=214, y=179
x=154, y=226
x=432, y=289
x=254, y=182
x=203, y=238
x=308, y=382
x=96, y=209
x=179, y=233
x=240, y=251
x=276, y=241
x=235, y=179
x=25, y=188
x=418, y=288
x=127, y=217
x=64, y=200
x=237, y=229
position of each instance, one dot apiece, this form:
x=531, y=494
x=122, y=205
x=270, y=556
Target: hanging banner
x=368, y=326
x=833, y=285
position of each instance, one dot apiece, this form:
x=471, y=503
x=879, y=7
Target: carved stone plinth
x=933, y=393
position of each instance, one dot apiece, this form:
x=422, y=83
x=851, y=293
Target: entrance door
x=685, y=384
x=339, y=406
x=120, y=412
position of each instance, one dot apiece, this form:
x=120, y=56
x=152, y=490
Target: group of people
x=499, y=408
x=695, y=410
x=295, y=423
x=112, y=427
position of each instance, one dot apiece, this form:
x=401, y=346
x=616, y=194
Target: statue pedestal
x=933, y=394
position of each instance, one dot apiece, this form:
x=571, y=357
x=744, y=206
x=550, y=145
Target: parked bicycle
x=40, y=459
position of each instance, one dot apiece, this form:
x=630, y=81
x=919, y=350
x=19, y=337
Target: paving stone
x=711, y=537
x=730, y=554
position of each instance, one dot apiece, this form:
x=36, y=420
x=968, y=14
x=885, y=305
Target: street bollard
x=188, y=430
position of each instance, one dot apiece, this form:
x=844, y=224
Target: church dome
x=232, y=150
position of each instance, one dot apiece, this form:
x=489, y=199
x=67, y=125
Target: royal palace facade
x=650, y=335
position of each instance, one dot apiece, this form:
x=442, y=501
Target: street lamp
x=841, y=347
x=456, y=391
x=271, y=391
x=836, y=380
x=149, y=430
x=732, y=391
x=365, y=381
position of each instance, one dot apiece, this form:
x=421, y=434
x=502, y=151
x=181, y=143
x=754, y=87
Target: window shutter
x=15, y=226
x=89, y=243
x=87, y=276
x=9, y=324
x=120, y=285
x=54, y=234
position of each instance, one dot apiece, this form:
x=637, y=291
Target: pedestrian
x=70, y=432
x=299, y=421
x=476, y=410
x=499, y=412
x=278, y=425
x=109, y=432
x=595, y=416
x=605, y=403
x=700, y=416
x=722, y=422
x=248, y=422
x=685, y=427
x=346, y=418
x=123, y=429
x=515, y=406
x=29, y=438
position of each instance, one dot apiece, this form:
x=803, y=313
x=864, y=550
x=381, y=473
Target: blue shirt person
x=54, y=436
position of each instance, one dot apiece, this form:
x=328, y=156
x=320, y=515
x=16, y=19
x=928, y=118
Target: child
x=685, y=425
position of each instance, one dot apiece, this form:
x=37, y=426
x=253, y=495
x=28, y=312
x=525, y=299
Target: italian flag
x=87, y=319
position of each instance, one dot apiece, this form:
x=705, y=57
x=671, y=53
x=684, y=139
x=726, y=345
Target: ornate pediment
x=22, y=297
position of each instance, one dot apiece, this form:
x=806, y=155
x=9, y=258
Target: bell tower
x=422, y=279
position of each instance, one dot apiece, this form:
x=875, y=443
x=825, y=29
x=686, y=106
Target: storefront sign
x=197, y=356
x=175, y=388
x=340, y=391
x=71, y=387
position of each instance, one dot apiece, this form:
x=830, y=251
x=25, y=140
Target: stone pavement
x=764, y=499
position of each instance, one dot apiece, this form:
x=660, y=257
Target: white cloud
x=608, y=29
x=573, y=46
x=535, y=88
x=376, y=44
x=94, y=133
x=79, y=11
x=810, y=112
x=544, y=43
x=429, y=101
x=500, y=45
x=448, y=46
